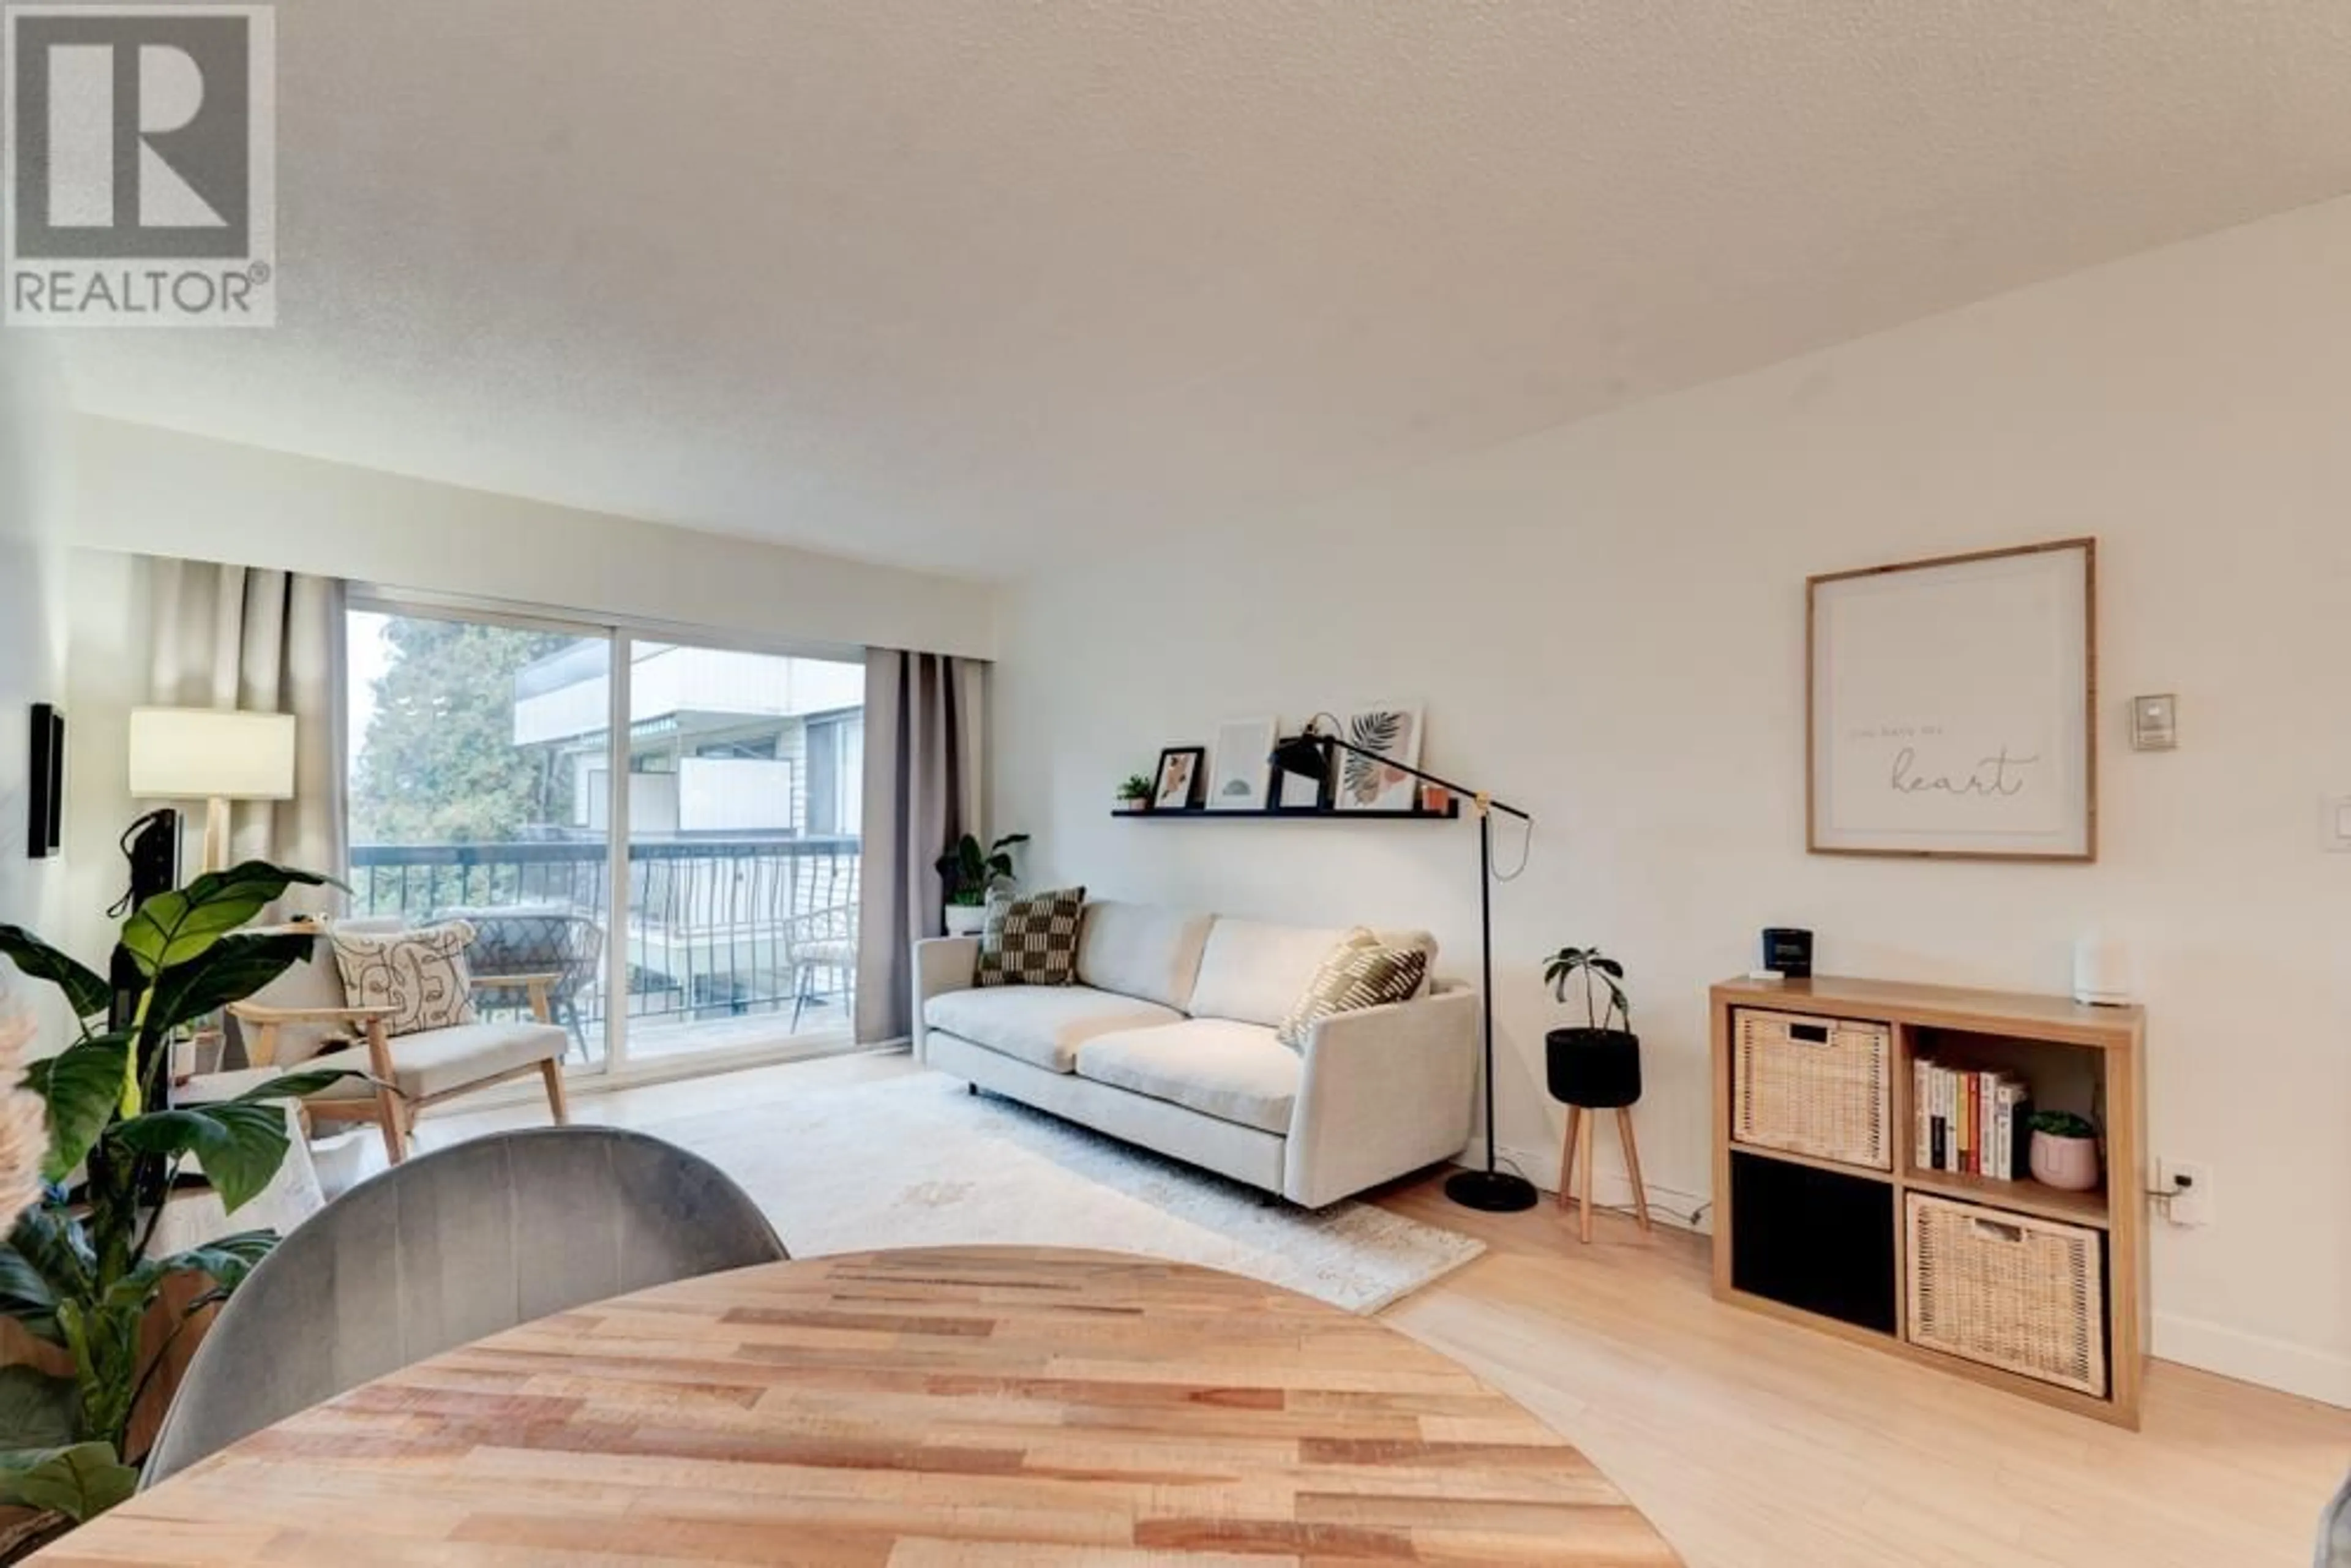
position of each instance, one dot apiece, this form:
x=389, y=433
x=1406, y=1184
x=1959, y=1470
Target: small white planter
x=966, y=919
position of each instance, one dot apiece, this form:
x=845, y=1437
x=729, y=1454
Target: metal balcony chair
x=447, y=1249
x=821, y=943
x=554, y=941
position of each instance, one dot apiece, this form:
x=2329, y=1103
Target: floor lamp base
x=1494, y=1192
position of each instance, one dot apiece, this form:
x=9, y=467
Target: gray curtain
x=925, y=782
x=264, y=642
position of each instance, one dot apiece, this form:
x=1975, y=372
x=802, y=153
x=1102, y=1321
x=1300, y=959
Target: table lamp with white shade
x=213, y=754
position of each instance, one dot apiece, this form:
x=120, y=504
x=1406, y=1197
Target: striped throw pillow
x=1358, y=973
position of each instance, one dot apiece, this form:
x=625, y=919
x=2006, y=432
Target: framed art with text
x=1952, y=706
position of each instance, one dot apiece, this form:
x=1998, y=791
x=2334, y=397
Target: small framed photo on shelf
x=1183, y=778
x=1241, y=776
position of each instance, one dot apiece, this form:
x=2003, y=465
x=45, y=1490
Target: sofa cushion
x=1040, y=1025
x=1233, y=1071
x=1357, y=973
x=1031, y=941
x=1424, y=942
x=1252, y=971
x=1142, y=950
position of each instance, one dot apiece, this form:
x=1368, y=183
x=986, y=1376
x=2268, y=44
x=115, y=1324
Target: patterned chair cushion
x=1031, y=941
x=420, y=975
x=1360, y=972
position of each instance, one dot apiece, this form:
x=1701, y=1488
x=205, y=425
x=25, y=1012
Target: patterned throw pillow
x=1031, y=941
x=420, y=975
x=1358, y=973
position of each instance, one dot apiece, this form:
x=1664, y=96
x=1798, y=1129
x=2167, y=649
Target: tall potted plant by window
x=76, y=1272
x=969, y=872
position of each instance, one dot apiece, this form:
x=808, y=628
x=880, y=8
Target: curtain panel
x=264, y=642
x=925, y=780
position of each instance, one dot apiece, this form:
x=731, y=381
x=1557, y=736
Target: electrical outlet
x=2190, y=1185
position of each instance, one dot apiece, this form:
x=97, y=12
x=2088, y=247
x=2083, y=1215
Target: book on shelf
x=1969, y=1120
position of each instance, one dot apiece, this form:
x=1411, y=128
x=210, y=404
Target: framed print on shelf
x=1952, y=706
x=1393, y=730
x=1182, y=772
x=1241, y=776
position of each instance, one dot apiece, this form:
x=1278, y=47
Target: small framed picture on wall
x=1182, y=778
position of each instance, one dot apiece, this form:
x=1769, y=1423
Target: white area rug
x=917, y=1161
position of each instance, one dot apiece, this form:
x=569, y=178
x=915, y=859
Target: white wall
x=33, y=479
x=1606, y=623
x=157, y=491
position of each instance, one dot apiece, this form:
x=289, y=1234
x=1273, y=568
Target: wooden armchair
x=302, y=1020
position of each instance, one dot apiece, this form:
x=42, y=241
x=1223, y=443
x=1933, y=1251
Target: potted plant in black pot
x=969, y=872
x=1598, y=1065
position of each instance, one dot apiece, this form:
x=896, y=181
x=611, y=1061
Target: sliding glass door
x=745, y=776
x=671, y=829
x=472, y=798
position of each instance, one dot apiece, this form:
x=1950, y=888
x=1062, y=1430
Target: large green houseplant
x=76, y=1272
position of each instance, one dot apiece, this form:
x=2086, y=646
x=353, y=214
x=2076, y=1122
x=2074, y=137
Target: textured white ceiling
x=966, y=283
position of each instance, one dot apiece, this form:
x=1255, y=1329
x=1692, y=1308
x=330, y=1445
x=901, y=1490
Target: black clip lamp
x=1493, y=1190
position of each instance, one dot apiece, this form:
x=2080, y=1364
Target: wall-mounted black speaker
x=45, y=825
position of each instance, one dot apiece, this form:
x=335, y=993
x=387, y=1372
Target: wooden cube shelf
x=2093, y=1052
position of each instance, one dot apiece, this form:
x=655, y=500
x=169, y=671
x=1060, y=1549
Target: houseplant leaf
x=171, y=928
x=86, y=992
x=295, y=1085
x=225, y=1261
x=48, y=1259
x=80, y=1481
x=82, y=1084
x=27, y=1297
x=240, y=1143
x=36, y=1410
x=230, y=971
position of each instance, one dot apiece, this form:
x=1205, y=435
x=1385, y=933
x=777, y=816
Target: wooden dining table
x=962, y=1405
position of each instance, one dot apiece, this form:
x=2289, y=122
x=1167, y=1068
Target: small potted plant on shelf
x=2064, y=1151
x=1134, y=795
x=1599, y=1063
x=969, y=872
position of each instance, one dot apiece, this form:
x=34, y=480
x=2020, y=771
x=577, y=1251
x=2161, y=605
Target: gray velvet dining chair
x=444, y=1250
x=2334, y=1532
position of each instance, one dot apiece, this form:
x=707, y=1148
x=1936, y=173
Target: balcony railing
x=717, y=928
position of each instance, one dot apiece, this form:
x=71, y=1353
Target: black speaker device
x=1787, y=950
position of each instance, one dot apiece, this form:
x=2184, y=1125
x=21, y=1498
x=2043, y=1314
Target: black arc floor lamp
x=1493, y=1190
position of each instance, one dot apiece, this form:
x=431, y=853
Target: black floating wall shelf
x=1293, y=814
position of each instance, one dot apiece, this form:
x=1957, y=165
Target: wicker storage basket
x=2010, y=1291
x=1813, y=1086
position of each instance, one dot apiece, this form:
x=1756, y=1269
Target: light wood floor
x=1748, y=1442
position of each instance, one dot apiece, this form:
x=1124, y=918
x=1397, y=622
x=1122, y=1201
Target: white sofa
x=1167, y=1040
